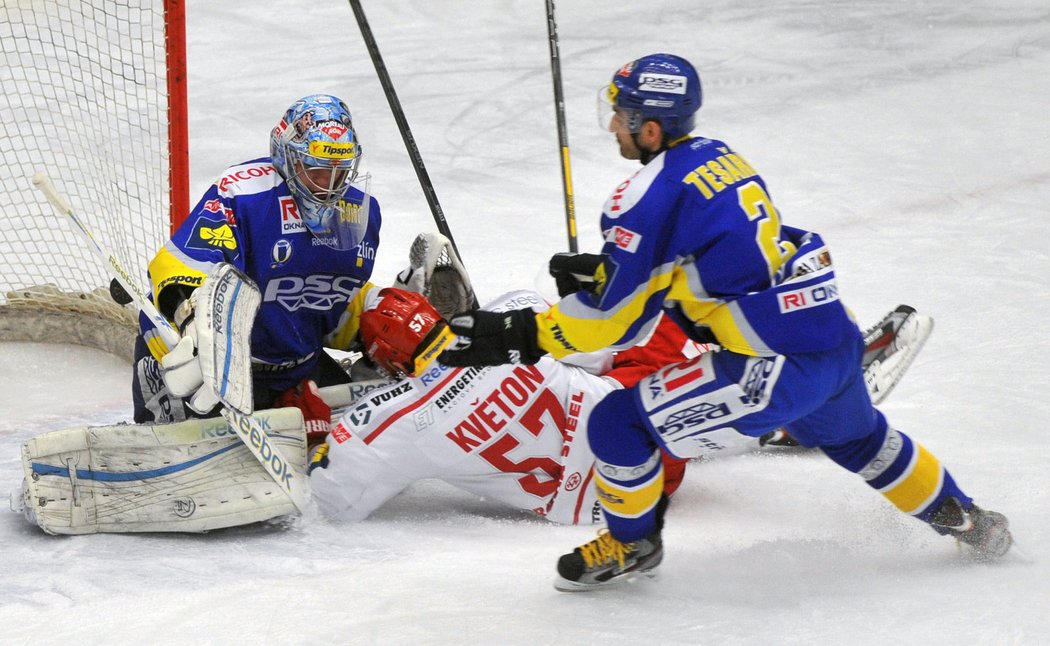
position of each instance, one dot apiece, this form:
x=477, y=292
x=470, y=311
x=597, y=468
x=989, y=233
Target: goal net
x=94, y=96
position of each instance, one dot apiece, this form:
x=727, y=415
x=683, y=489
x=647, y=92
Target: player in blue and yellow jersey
x=694, y=234
x=302, y=225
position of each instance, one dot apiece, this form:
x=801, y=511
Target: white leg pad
x=193, y=476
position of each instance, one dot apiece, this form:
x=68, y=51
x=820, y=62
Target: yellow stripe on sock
x=917, y=484
x=629, y=502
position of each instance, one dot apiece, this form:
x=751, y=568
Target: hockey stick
x=247, y=427
x=563, y=134
x=406, y=132
x=167, y=333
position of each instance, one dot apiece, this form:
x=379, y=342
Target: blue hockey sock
x=629, y=496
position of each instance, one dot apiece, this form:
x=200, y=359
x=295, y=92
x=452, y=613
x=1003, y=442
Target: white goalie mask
x=316, y=151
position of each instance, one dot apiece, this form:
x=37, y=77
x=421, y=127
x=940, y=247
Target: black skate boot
x=986, y=532
x=606, y=560
x=778, y=437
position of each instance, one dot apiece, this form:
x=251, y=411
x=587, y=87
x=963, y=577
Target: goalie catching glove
x=493, y=339
x=181, y=367
x=403, y=333
x=435, y=271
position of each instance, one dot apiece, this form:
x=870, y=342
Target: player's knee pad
x=629, y=495
x=616, y=431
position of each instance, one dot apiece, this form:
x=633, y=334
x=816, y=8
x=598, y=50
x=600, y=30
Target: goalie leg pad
x=194, y=476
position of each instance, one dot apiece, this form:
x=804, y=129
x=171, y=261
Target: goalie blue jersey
x=695, y=233
x=311, y=293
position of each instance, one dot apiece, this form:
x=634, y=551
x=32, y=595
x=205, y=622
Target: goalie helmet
x=403, y=333
x=660, y=87
x=316, y=151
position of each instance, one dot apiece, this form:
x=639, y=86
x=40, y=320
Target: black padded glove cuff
x=493, y=338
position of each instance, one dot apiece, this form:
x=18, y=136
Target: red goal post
x=95, y=96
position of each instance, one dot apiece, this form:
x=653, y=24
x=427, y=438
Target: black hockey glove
x=575, y=271
x=493, y=339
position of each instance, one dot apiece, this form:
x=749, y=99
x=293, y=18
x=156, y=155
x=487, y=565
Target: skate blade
x=564, y=585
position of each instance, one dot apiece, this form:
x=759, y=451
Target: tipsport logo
x=332, y=150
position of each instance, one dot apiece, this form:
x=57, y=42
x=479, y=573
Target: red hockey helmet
x=403, y=333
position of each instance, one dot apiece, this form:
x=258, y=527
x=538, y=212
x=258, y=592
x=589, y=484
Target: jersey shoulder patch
x=627, y=195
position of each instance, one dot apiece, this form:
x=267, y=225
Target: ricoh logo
x=617, y=196
x=245, y=174
x=320, y=292
x=807, y=297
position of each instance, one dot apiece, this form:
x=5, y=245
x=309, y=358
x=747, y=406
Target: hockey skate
x=606, y=560
x=890, y=346
x=985, y=532
x=777, y=437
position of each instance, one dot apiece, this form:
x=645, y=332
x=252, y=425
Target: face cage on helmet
x=608, y=111
x=339, y=222
x=341, y=176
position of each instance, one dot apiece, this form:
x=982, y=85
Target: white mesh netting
x=85, y=100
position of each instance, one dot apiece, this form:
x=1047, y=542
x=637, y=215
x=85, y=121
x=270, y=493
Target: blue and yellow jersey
x=694, y=233
x=312, y=294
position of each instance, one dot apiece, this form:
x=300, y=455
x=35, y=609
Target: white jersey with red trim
x=514, y=434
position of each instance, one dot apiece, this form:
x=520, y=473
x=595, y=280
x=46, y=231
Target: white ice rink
x=912, y=134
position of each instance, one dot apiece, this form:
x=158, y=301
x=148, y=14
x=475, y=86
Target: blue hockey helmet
x=660, y=87
x=316, y=151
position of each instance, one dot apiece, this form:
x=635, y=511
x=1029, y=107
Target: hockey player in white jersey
x=514, y=434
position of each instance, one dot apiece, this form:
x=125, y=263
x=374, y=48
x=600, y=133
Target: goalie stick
x=406, y=132
x=226, y=364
